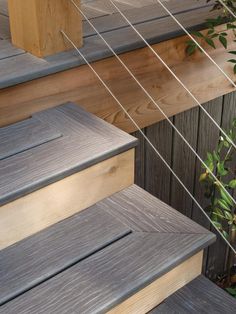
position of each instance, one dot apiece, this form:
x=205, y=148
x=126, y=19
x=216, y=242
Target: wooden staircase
x=76, y=235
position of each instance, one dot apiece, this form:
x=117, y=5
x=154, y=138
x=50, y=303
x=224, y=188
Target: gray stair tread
x=155, y=28
x=112, y=274
x=39, y=257
x=199, y=296
x=25, y=135
x=83, y=141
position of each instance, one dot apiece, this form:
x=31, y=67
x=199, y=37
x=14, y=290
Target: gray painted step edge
x=199, y=296
x=116, y=272
x=86, y=140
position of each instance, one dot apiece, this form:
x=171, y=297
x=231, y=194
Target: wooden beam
x=152, y=295
x=36, y=24
x=82, y=87
x=55, y=202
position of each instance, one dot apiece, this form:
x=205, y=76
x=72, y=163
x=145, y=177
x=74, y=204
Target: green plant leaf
x=232, y=52
x=203, y=177
x=232, y=184
x=221, y=169
x=232, y=60
x=225, y=234
x=226, y=197
x=223, y=41
x=217, y=224
x=198, y=34
x=231, y=291
x=224, y=205
x=210, y=42
x=216, y=156
x=190, y=49
x=228, y=216
x=231, y=26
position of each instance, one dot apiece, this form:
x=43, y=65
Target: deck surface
x=17, y=66
x=52, y=145
x=95, y=259
x=199, y=296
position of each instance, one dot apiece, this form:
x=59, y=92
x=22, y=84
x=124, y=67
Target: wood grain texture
x=215, y=263
x=199, y=296
x=49, y=205
x=4, y=29
x=25, y=135
x=154, y=216
x=74, y=151
x=139, y=160
x=152, y=295
x=205, y=144
x=156, y=173
x=218, y=265
x=7, y=51
x=81, y=86
x=42, y=256
x=36, y=25
x=110, y=276
x=122, y=40
x=136, y=15
x=183, y=163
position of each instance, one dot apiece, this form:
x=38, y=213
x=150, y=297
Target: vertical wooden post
x=36, y=24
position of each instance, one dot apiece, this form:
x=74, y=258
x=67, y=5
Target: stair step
x=47, y=163
x=113, y=256
x=199, y=296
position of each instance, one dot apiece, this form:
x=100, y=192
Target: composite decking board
x=108, y=277
x=25, y=135
x=39, y=257
x=3, y=7
x=152, y=12
x=8, y=51
x=111, y=275
x=85, y=141
x=199, y=296
x=4, y=29
x=143, y=212
x=26, y=67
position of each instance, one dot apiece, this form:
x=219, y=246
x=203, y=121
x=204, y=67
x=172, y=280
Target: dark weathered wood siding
x=156, y=178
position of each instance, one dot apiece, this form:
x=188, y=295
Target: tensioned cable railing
x=154, y=102
x=146, y=138
x=196, y=42
x=172, y=72
x=227, y=8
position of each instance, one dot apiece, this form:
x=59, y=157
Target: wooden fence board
x=156, y=173
x=184, y=160
x=139, y=160
x=206, y=135
x=215, y=263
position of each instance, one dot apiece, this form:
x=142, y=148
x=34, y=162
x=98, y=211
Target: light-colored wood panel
x=81, y=86
x=38, y=210
x=152, y=295
x=36, y=24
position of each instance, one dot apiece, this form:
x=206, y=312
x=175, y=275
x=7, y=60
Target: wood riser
x=47, y=206
x=151, y=296
x=81, y=86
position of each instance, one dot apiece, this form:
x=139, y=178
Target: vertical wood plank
x=157, y=175
x=216, y=263
x=184, y=160
x=140, y=159
x=208, y=136
x=36, y=25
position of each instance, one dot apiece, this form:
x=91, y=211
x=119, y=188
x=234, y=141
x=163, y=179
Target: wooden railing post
x=36, y=24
